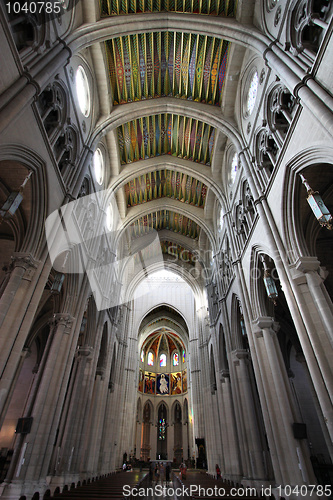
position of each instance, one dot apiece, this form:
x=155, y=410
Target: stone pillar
x=153, y=437
x=98, y=403
x=290, y=458
x=185, y=438
x=231, y=466
x=171, y=437
x=251, y=448
x=138, y=438
x=74, y=430
x=46, y=405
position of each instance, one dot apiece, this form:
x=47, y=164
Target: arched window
x=142, y=356
x=234, y=168
x=252, y=93
x=163, y=360
x=184, y=356
x=150, y=359
x=175, y=359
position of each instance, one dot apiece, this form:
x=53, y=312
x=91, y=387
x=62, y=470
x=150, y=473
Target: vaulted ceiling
x=143, y=67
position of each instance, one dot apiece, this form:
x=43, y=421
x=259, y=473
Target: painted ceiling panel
x=176, y=185
x=163, y=341
x=165, y=219
x=166, y=134
x=212, y=7
x=183, y=65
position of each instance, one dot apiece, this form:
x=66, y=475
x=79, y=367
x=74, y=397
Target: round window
x=98, y=162
x=82, y=91
x=109, y=217
x=252, y=93
x=234, y=168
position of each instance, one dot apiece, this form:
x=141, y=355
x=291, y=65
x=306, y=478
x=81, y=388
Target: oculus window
x=98, y=163
x=82, y=91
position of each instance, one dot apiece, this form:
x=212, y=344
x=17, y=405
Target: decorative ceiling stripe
x=166, y=134
x=211, y=7
x=164, y=219
x=165, y=183
x=182, y=65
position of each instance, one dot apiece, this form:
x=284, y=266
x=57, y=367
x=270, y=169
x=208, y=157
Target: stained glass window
x=161, y=429
x=252, y=93
x=183, y=356
x=234, y=167
x=163, y=360
x=175, y=359
x=142, y=356
x=150, y=359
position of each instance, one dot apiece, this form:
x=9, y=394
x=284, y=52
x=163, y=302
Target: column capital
x=62, y=319
x=84, y=351
x=24, y=261
x=240, y=354
x=100, y=370
x=307, y=264
x=264, y=322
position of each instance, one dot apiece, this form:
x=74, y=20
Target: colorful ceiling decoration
x=212, y=7
x=184, y=65
x=177, y=253
x=166, y=134
x=165, y=219
x=165, y=183
x=162, y=340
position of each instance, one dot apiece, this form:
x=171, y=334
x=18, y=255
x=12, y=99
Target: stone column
x=185, y=438
x=74, y=430
x=292, y=463
x=46, y=404
x=98, y=403
x=230, y=447
x=138, y=438
x=171, y=437
x=153, y=437
x=250, y=440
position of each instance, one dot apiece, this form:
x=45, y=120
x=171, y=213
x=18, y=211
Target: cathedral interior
x=166, y=191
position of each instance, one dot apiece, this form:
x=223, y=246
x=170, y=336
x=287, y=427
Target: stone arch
x=112, y=379
x=239, y=339
x=223, y=359
x=151, y=411
x=103, y=351
x=167, y=409
x=32, y=241
x=53, y=106
x=213, y=384
x=298, y=242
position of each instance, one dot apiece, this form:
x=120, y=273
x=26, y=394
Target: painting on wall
x=162, y=386
x=141, y=380
x=184, y=381
x=176, y=383
x=150, y=380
